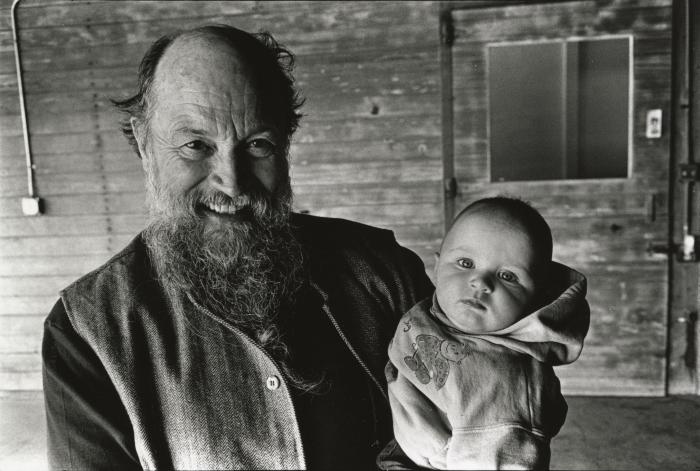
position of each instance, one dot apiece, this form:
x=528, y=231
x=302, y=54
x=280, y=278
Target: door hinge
x=685, y=252
x=654, y=248
x=689, y=172
x=690, y=356
x=450, y=187
x=447, y=29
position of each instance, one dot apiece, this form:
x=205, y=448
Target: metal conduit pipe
x=31, y=204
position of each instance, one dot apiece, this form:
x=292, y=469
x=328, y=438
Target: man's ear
x=137, y=128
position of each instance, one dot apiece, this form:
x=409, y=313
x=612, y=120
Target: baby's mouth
x=474, y=304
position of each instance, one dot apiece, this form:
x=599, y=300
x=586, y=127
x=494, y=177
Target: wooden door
x=604, y=216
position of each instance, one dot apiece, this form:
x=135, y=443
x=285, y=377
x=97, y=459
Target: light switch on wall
x=653, y=124
x=31, y=206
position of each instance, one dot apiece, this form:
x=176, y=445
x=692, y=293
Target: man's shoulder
x=372, y=254
x=342, y=232
x=124, y=268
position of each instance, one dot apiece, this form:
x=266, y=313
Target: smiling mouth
x=224, y=209
x=474, y=304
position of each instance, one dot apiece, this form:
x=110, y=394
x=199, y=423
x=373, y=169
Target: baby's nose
x=481, y=282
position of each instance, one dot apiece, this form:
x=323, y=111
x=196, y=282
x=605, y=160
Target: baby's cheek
x=439, y=293
x=446, y=299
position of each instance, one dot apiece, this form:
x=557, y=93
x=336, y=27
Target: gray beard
x=246, y=270
x=241, y=273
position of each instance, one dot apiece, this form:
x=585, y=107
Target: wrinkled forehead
x=204, y=70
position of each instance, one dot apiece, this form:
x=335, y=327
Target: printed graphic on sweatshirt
x=432, y=356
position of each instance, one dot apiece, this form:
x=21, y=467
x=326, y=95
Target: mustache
x=255, y=201
x=216, y=198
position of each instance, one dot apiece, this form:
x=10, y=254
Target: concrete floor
x=629, y=433
x=601, y=433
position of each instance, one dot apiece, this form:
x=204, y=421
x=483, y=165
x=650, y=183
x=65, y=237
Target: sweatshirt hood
x=552, y=334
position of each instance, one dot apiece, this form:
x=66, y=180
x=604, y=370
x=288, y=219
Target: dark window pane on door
x=525, y=111
x=603, y=86
x=559, y=109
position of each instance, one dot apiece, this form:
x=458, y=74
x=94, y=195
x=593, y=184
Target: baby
x=471, y=383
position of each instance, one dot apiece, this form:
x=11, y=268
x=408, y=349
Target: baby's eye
x=260, y=148
x=465, y=262
x=507, y=276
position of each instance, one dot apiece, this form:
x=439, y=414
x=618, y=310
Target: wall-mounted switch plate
x=32, y=206
x=653, y=124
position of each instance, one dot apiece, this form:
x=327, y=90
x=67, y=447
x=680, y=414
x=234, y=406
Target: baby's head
x=493, y=264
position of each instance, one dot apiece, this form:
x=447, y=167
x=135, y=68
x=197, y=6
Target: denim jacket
x=198, y=392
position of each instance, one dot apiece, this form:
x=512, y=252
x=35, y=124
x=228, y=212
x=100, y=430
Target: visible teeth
x=222, y=208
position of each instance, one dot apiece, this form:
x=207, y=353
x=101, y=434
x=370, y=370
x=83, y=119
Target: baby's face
x=485, y=272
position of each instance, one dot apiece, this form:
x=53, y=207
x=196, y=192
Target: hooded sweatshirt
x=486, y=401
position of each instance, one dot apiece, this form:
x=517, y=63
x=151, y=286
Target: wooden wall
x=368, y=149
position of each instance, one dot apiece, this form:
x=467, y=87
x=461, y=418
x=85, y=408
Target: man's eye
x=508, y=276
x=195, y=150
x=196, y=145
x=465, y=263
x=260, y=148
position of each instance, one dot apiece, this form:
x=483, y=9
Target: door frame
x=683, y=303
x=684, y=204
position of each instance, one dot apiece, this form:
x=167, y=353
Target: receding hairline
x=271, y=65
x=211, y=34
x=207, y=39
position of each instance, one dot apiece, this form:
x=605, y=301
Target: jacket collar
x=325, y=265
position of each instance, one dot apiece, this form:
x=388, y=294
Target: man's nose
x=481, y=282
x=224, y=173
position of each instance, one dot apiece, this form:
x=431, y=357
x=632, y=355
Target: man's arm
x=415, y=276
x=88, y=427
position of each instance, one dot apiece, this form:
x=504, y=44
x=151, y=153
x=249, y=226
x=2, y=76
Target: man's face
x=218, y=191
x=485, y=272
x=207, y=136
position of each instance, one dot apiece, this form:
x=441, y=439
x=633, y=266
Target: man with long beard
x=231, y=333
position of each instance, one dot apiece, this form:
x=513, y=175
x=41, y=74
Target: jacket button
x=272, y=383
